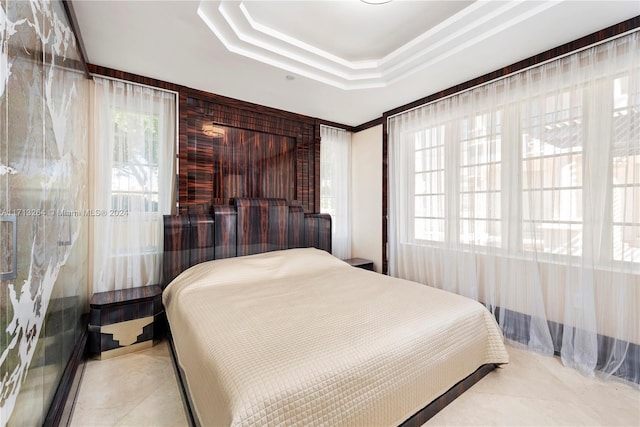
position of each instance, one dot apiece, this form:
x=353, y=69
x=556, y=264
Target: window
x=552, y=136
x=134, y=181
x=625, y=170
x=475, y=205
x=335, y=186
x=480, y=164
x=460, y=190
x=429, y=197
x=524, y=194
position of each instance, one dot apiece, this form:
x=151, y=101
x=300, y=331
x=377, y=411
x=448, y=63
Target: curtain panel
x=524, y=194
x=133, y=163
x=335, y=186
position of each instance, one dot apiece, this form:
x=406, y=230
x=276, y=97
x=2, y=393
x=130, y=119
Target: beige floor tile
x=133, y=389
x=162, y=408
x=537, y=390
x=480, y=409
x=140, y=389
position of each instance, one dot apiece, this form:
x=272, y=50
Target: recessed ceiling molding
x=442, y=50
x=270, y=32
x=300, y=52
x=233, y=25
x=220, y=28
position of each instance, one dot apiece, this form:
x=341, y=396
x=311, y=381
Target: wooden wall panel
x=264, y=152
x=301, y=182
x=198, y=165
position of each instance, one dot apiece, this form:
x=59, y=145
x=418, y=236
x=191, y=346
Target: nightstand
x=125, y=320
x=365, y=264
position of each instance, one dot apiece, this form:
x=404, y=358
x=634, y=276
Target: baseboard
x=629, y=370
x=61, y=408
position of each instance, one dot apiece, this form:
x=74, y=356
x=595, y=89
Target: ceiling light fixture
x=375, y=1
x=210, y=129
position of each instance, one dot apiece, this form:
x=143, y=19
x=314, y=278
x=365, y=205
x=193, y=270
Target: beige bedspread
x=299, y=337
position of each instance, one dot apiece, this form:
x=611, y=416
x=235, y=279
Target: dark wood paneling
x=426, y=413
x=120, y=297
x=296, y=227
x=201, y=236
x=385, y=193
x=176, y=246
x=240, y=163
x=248, y=226
x=141, y=304
x=271, y=126
x=269, y=152
x=318, y=231
x=367, y=125
x=134, y=78
x=197, y=164
x=262, y=225
x=225, y=229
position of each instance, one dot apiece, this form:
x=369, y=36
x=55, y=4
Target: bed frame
x=249, y=226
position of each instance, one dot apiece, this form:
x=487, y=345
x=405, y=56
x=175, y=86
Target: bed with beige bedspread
x=298, y=337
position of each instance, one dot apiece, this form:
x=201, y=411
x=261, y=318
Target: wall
x=43, y=175
x=196, y=106
x=366, y=195
x=260, y=133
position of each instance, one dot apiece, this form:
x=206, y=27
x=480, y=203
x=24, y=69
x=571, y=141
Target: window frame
x=452, y=144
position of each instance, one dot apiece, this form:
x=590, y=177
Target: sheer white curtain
x=134, y=182
x=524, y=194
x=335, y=186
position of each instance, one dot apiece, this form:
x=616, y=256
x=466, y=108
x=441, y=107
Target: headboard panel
x=201, y=239
x=317, y=231
x=262, y=225
x=225, y=231
x=177, y=246
x=296, y=227
x=248, y=227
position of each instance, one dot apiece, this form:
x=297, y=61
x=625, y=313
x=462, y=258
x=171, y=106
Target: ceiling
x=342, y=61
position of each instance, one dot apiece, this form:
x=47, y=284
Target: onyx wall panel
x=44, y=111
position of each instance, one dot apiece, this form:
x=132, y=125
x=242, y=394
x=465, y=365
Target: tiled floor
x=140, y=389
x=135, y=389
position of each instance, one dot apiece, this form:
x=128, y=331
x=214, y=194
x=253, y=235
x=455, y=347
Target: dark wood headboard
x=248, y=226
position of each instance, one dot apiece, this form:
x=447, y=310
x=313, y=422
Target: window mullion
x=597, y=182
x=452, y=182
x=511, y=179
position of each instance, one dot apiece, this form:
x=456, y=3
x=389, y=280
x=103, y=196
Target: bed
x=280, y=335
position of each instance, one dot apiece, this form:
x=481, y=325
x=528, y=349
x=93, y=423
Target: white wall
x=366, y=195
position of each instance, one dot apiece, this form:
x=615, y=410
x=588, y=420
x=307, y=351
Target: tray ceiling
x=344, y=61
